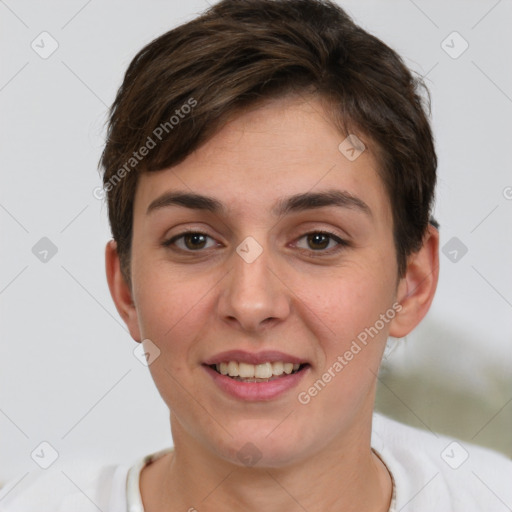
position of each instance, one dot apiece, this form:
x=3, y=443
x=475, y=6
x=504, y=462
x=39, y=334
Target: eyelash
x=341, y=244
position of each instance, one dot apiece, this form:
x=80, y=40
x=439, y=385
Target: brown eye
x=194, y=241
x=190, y=241
x=318, y=241
x=321, y=242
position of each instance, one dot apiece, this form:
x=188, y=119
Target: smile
x=255, y=377
x=263, y=372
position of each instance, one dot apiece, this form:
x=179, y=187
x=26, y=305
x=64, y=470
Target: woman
x=270, y=174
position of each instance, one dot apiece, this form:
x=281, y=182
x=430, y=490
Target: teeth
x=277, y=368
x=288, y=368
x=232, y=369
x=263, y=371
x=245, y=370
x=258, y=371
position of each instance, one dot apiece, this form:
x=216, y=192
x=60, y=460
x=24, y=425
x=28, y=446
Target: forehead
x=282, y=148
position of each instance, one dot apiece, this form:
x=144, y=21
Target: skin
x=292, y=298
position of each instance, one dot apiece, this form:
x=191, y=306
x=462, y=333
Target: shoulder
x=435, y=472
x=81, y=487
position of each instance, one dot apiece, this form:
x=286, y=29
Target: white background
x=67, y=372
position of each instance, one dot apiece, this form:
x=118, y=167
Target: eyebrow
x=295, y=203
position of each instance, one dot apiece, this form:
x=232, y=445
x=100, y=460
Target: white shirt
x=430, y=473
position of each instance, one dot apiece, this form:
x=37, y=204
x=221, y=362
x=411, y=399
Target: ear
x=120, y=291
x=417, y=288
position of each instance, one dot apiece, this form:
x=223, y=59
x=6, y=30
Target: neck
x=348, y=477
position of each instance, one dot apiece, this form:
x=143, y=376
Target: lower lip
x=256, y=391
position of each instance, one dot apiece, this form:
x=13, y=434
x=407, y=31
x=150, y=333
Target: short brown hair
x=241, y=52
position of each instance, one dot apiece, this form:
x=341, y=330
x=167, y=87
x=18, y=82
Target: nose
x=254, y=295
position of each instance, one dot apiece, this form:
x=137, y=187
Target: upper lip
x=242, y=356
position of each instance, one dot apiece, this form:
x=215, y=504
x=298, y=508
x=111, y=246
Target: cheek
x=345, y=302
x=172, y=313
x=166, y=307
x=351, y=353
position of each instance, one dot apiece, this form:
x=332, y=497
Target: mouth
x=256, y=377
x=263, y=372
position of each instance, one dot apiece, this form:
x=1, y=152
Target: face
x=289, y=260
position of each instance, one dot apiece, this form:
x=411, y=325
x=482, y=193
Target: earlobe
x=120, y=291
x=417, y=288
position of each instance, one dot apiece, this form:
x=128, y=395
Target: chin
x=262, y=447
